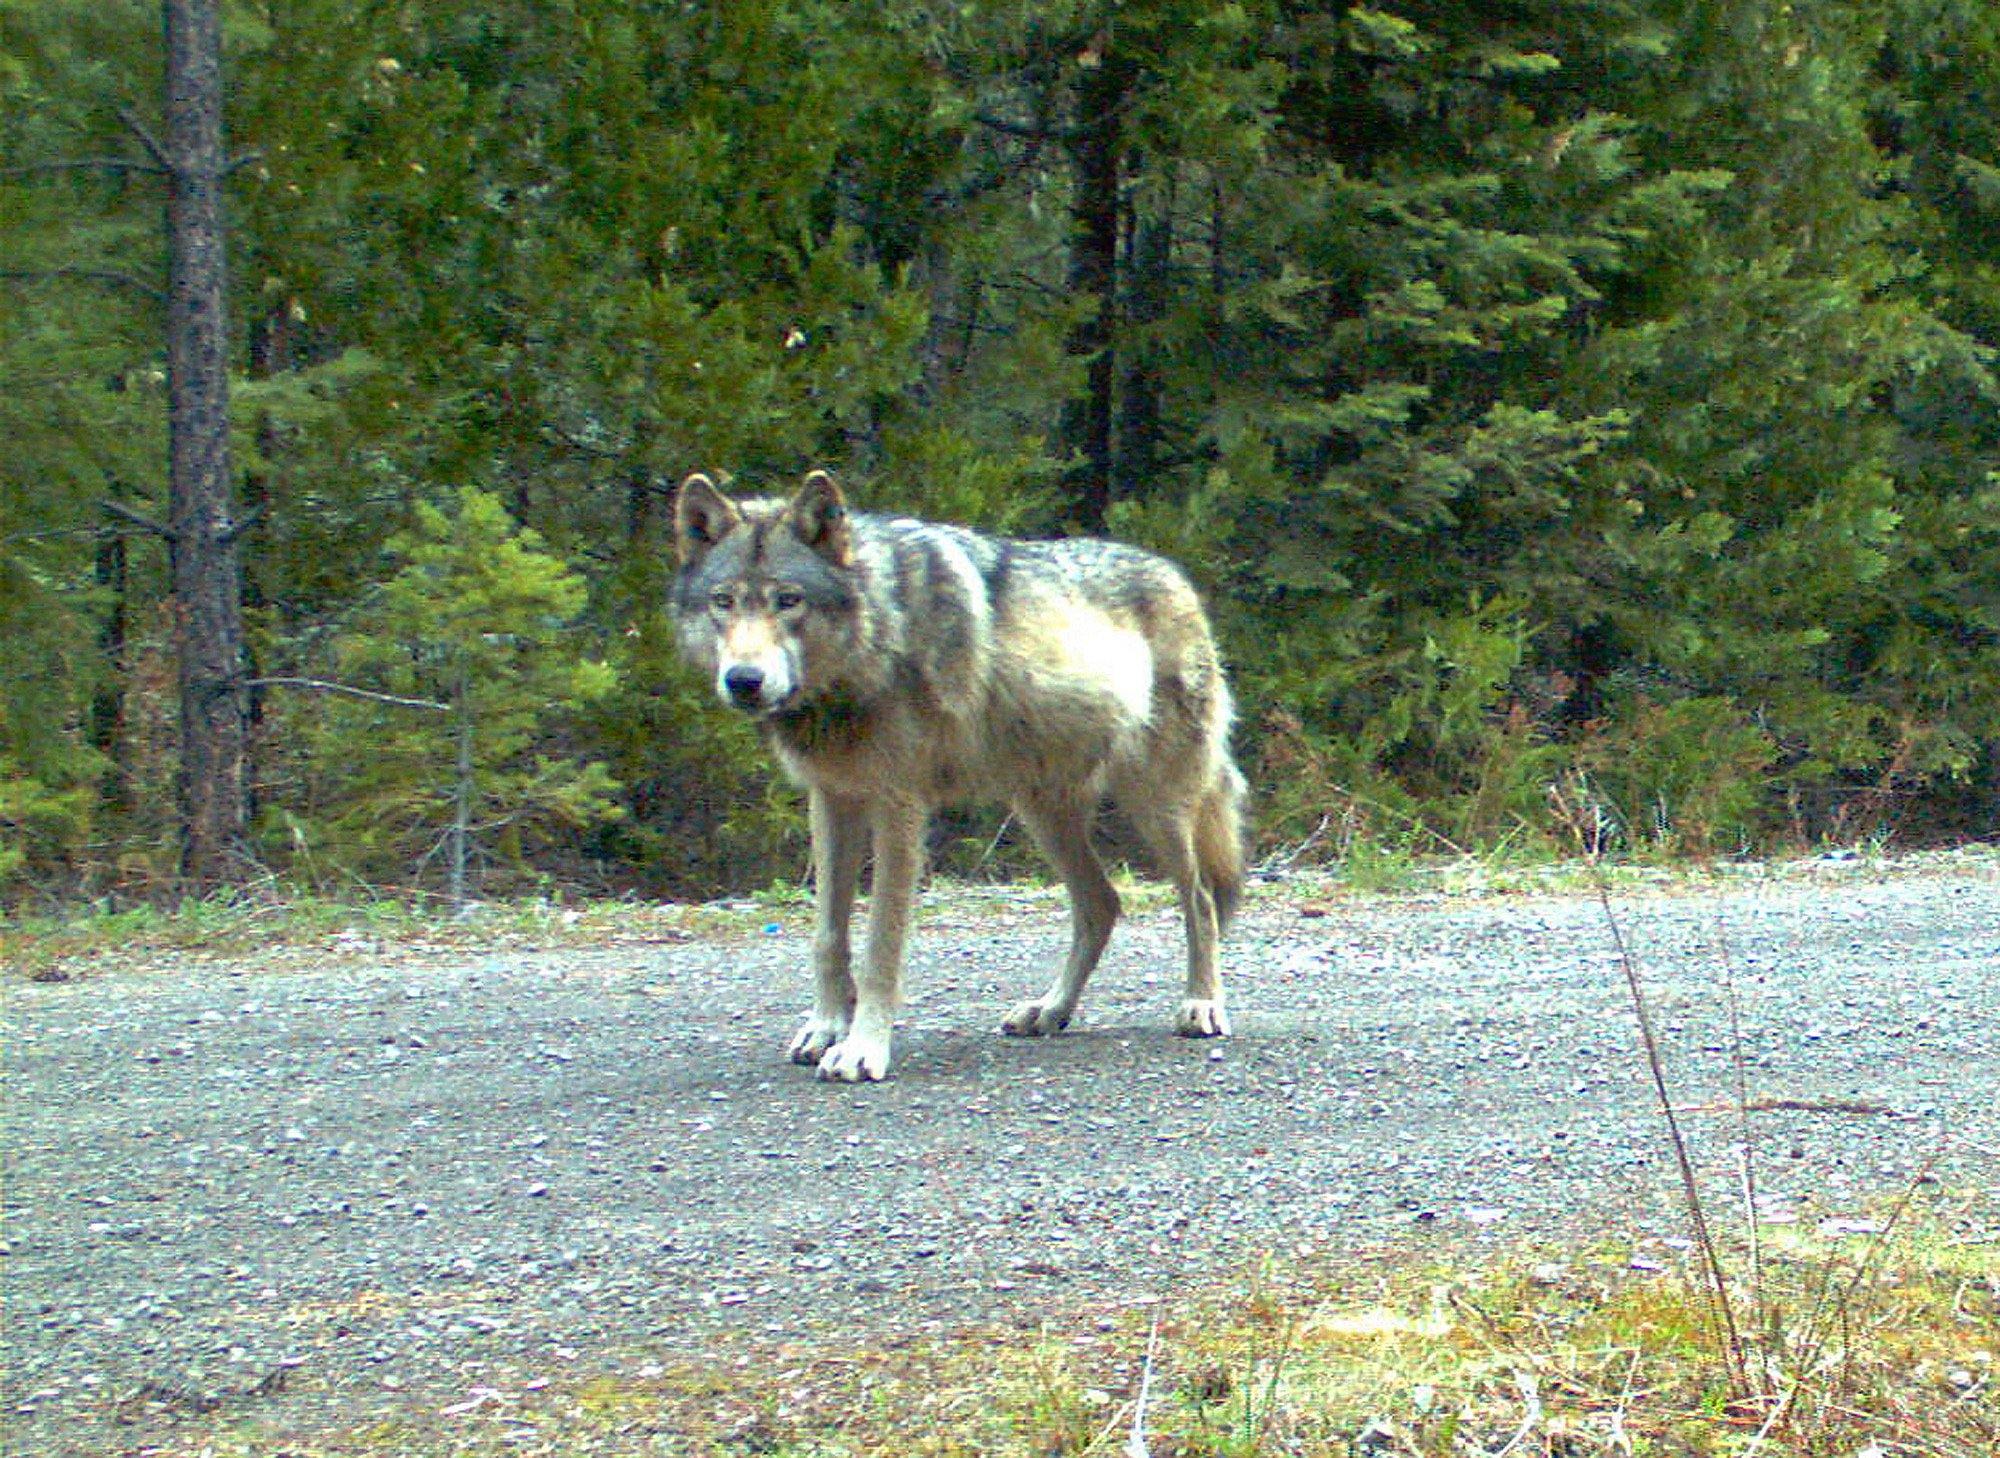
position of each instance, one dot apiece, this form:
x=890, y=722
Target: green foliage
x=707, y=813
x=1687, y=778
x=44, y=823
x=441, y=733
x=49, y=773
x=1446, y=756
x=1589, y=396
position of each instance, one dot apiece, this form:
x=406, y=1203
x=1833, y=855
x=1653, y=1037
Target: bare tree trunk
x=208, y=616
x=1096, y=212
x=107, y=699
x=1142, y=419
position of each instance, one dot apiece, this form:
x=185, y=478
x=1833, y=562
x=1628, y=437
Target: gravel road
x=309, y=1187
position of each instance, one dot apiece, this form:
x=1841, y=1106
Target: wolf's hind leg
x=839, y=841
x=1062, y=830
x=1172, y=833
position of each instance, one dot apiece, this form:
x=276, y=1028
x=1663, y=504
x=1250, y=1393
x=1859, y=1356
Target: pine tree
x=435, y=743
x=90, y=171
x=202, y=531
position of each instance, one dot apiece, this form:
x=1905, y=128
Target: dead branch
x=324, y=686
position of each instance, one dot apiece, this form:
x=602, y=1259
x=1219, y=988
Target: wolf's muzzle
x=745, y=686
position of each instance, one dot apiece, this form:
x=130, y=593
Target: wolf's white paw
x=1202, y=1018
x=1037, y=1019
x=856, y=1059
x=812, y=1040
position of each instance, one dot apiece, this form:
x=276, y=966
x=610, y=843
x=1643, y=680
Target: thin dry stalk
x=1721, y=1310
x=1135, y=1442
x=1818, y=1328
x=1747, y=1146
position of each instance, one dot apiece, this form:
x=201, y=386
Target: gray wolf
x=897, y=665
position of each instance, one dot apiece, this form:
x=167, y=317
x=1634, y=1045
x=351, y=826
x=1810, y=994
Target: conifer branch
x=162, y=159
x=1037, y=132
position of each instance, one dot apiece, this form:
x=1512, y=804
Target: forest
x=1581, y=415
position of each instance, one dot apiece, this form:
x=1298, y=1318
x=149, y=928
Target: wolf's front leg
x=839, y=840
x=863, y=1054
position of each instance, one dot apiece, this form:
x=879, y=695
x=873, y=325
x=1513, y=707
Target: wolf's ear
x=702, y=516
x=818, y=515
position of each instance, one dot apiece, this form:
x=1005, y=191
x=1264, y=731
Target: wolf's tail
x=1218, y=842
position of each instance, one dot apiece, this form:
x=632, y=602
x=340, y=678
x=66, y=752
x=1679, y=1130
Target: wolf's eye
x=722, y=600
x=787, y=599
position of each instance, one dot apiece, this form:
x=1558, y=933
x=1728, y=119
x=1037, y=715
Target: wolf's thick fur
x=897, y=665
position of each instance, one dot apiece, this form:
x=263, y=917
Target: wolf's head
x=764, y=593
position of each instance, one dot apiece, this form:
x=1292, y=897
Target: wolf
x=896, y=666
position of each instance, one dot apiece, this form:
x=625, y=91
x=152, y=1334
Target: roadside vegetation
x=67, y=940
x=1875, y=1338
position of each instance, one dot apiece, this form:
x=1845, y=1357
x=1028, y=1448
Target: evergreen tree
x=434, y=746
x=1596, y=393
x=83, y=412
x=1764, y=552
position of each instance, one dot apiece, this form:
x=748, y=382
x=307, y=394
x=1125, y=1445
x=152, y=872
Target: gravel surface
x=308, y=1188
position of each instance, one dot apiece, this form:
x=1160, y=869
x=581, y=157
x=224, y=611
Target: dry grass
x=1871, y=1350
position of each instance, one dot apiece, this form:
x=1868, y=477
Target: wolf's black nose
x=744, y=683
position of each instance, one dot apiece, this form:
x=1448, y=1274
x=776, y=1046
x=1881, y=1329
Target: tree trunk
x=1096, y=212
x=208, y=611
x=1142, y=420
x=107, y=699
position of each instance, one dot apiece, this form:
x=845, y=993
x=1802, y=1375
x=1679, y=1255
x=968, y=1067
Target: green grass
x=257, y=922
x=58, y=946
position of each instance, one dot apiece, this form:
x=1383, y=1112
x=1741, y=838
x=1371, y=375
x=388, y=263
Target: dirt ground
x=315, y=1186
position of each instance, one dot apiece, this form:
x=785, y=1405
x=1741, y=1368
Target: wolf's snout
x=745, y=685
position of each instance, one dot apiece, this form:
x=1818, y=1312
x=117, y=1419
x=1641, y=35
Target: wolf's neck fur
x=833, y=722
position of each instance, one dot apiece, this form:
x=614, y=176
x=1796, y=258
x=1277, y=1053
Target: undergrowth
x=76, y=942
x=71, y=942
